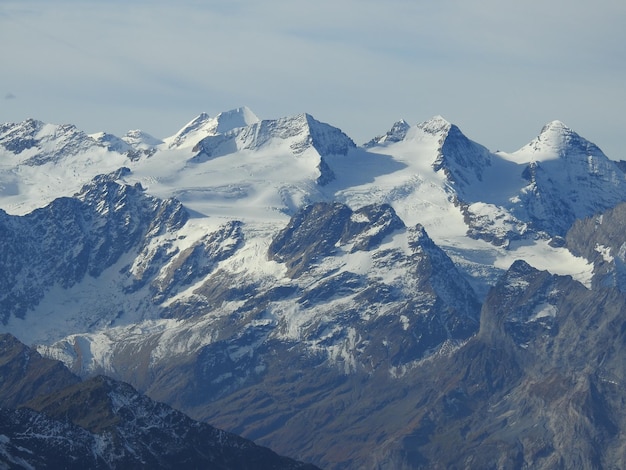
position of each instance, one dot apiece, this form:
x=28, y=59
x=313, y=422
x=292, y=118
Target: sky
x=499, y=70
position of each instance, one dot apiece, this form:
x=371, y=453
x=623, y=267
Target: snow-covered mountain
x=204, y=126
x=541, y=188
x=140, y=140
x=568, y=178
x=35, y=143
x=274, y=265
x=395, y=134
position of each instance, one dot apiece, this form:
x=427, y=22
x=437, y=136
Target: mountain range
x=415, y=301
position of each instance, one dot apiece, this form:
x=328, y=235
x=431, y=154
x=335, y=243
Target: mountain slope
x=75, y=237
x=395, y=134
x=136, y=430
x=537, y=387
x=529, y=391
x=374, y=280
x=600, y=239
x=26, y=374
x=101, y=423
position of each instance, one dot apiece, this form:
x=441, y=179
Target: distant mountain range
x=414, y=302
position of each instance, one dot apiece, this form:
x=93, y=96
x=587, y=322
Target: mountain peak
x=397, y=133
x=234, y=118
x=42, y=142
x=300, y=132
x=555, y=126
x=204, y=126
x=463, y=160
x=556, y=133
x=194, y=128
x=140, y=139
x=111, y=142
x=556, y=140
x=326, y=139
x=435, y=125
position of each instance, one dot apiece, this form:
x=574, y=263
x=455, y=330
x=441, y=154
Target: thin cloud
x=9, y=96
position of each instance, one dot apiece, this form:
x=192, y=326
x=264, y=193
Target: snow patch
x=605, y=252
x=544, y=310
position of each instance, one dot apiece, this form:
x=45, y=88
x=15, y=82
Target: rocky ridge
x=102, y=423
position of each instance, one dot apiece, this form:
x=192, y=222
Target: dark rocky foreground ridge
x=49, y=418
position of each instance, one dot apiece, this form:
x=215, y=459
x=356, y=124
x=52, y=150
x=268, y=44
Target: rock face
x=600, y=239
x=102, y=423
x=319, y=229
x=462, y=160
x=77, y=237
x=535, y=388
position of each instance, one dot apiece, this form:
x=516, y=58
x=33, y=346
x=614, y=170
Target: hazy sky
x=497, y=69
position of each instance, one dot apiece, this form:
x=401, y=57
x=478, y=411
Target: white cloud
x=497, y=69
